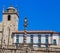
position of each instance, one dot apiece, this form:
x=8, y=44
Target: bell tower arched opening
x=9, y=17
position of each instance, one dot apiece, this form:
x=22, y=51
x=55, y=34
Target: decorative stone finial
x=10, y=5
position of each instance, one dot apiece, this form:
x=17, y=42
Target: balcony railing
x=31, y=44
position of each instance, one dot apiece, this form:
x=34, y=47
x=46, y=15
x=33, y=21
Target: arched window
x=9, y=17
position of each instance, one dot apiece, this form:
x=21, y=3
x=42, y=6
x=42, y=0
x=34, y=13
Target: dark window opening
x=47, y=41
x=31, y=38
x=17, y=38
x=54, y=41
x=9, y=17
x=39, y=38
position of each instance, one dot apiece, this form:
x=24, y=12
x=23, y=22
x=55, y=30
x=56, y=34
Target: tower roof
x=10, y=10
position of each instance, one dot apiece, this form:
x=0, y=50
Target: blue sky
x=41, y=14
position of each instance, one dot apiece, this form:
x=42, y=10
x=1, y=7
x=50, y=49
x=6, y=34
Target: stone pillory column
x=25, y=32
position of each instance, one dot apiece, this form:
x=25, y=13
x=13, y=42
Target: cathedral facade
x=26, y=41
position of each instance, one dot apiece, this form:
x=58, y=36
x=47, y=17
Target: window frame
x=39, y=39
x=31, y=41
x=54, y=41
x=17, y=38
x=47, y=40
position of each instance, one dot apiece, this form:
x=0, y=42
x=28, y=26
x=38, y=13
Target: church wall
x=1, y=37
x=4, y=18
x=1, y=26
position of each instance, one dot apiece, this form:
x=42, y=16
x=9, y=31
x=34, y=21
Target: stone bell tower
x=10, y=24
